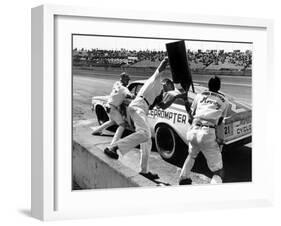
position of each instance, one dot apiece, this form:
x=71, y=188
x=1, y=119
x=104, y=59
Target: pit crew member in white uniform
x=169, y=91
x=208, y=108
x=138, y=110
x=117, y=96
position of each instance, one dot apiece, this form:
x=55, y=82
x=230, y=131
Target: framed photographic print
x=133, y=112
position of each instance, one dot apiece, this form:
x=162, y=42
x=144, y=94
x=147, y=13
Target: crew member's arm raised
x=163, y=64
x=160, y=68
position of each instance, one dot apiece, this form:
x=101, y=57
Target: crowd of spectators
x=216, y=57
x=129, y=57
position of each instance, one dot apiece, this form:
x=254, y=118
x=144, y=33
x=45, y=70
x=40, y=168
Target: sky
x=116, y=43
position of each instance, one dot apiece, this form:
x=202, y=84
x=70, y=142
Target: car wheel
x=169, y=145
x=102, y=116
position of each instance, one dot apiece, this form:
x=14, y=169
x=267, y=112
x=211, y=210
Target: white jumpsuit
x=116, y=97
x=209, y=107
x=138, y=110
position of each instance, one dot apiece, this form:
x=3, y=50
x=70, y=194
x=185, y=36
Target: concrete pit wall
x=91, y=168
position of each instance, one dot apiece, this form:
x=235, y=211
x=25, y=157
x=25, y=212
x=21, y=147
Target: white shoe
x=216, y=180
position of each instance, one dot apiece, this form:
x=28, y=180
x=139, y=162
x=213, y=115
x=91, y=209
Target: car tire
x=169, y=145
x=102, y=116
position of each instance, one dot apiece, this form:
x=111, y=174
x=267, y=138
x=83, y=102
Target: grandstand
x=199, y=61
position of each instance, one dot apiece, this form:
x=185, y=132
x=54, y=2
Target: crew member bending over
x=117, y=96
x=208, y=108
x=138, y=111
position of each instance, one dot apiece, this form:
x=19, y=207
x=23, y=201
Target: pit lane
x=237, y=161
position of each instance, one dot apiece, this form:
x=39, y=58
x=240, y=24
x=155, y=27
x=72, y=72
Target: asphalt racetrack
x=237, y=162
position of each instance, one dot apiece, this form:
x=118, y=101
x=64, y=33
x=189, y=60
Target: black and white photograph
x=129, y=113
x=160, y=112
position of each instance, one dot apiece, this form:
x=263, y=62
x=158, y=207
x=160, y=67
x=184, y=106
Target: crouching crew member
x=208, y=109
x=117, y=96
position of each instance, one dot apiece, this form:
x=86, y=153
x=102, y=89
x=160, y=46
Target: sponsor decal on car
x=238, y=128
x=169, y=115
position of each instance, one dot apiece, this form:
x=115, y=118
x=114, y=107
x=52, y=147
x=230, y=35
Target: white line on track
x=221, y=76
x=226, y=83
x=196, y=81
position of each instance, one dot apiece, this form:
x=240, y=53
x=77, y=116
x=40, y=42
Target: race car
x=169, y=126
